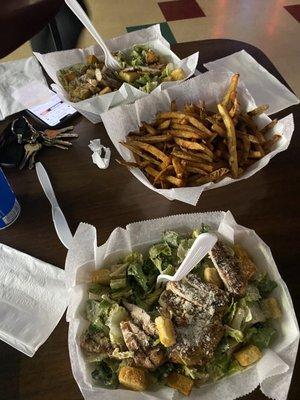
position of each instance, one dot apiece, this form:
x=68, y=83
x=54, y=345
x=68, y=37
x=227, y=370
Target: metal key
x=60, y=133
x=30, y=151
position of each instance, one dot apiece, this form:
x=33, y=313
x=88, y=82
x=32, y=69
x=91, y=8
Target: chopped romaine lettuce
x=218, y=366
x=105, y=376
x=255, y=314
x=265, y=285
x=159, y=253
x=121, y=294
x=183, y=248
x=122, y=355
x=117, y=314
x=252, y=294
x=134, y=257
x=263, y=336
x=118, y=283
x=234, y=367
x=164, y=370
x=235, y=334
x=172, y=238
x=153, y=297
x=118, y=271
x=136, y=271
x=97, y=313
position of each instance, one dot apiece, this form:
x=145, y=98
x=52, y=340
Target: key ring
x=23, y=129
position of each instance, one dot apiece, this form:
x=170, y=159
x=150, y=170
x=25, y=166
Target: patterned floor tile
x=165, y=30
x=294, y=10
x=180, y=9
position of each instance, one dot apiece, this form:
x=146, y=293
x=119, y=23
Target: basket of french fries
x=204, y=133
x=147, y=64
x=225, y=328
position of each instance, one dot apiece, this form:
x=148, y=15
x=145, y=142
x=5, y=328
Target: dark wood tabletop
x=268, y=202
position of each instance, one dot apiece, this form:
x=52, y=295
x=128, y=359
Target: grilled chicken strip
x=202, y=295
x=136, y=340
x=229, y=269
x=142, y=319
x=96, y=343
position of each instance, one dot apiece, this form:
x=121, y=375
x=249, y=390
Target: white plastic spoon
x=201, y=246
x=110, y=61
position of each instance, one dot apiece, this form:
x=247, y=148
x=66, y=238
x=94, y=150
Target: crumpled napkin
x=14, y=75
x=265, y=88
x=33, y=298
x=101, y=154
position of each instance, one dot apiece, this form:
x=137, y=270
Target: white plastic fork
x=201, y=246
x=110, y=61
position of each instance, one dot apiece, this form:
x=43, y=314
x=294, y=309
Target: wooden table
x=267, y=202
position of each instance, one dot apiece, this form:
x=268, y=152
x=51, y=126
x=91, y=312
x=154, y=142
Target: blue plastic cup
x=9, y=206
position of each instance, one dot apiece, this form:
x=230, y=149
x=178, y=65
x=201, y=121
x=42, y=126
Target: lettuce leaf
x=105, y=376
x=183, y=248
x=136, y=271
x=171, y=238
x=117, y=314
x=159, y=254
x=252, y=294
x=265, y=285
x=134, y=257
x=263, y=336
x=235, y=334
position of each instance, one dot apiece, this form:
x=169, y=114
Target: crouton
x=248, y=355
x=101, y=276
x=166, y=331
x=151, y=57
x=177, y=74
x=246, y=264
x=91, y=59
x=180, y=382
x=133, y=378
x=107, y=89
x=70, y=76
x=211, y=275
x=271, y=308
x=128, y=77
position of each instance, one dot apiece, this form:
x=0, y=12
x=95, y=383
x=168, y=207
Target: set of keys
x=34, y=140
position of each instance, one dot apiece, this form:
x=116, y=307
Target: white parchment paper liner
x=273, y=372
x=93, y=107
x=210, y=87
x=266, y=88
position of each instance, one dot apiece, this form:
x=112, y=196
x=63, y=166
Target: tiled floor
x=271, y=25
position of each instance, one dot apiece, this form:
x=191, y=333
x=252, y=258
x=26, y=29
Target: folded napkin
x=33, y=298
x=15, y=75
x=265, y=88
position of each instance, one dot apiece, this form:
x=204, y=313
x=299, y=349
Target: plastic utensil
x=201, y=246
x=110, y=61
x=59, y=220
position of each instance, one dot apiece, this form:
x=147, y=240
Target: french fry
x=152, y=139
x=270, y=143
x=184, y=134
x=192, y=146
x=140, y=153
x=231, y=139
x=217, y=128
x=259, y=110
x=200, y=165
x=164, y=125
x=232, y=89
x=187, y=155
x=178, y=167
x=153, y=150
x=269, y=126
x=180, y=115
x=255, y=154
x=189, y=128
x=150, y=128
x=212, y=177
x=162, y=172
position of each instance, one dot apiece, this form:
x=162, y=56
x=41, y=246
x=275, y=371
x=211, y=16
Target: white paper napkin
x=265, y=88
x=272, y=373
x=101, y=154
x=92, y=108
x=14, y=75
x=33, y=298
x=209, y=87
